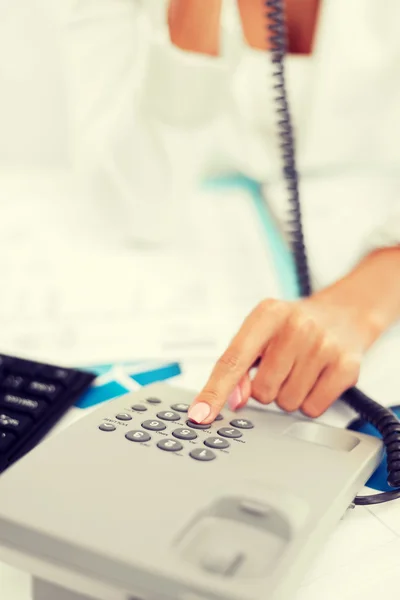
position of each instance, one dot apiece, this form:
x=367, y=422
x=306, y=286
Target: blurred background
x=110, y=251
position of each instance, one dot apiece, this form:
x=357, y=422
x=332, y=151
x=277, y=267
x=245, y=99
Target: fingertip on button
x=199, y=412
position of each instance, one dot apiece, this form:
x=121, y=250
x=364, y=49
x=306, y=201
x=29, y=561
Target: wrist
x=371, y=293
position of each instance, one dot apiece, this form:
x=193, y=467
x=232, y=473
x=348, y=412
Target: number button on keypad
x=139, y=407
x=107, y=427
x=216, y=443
x=153, y=400
x=153, y=425
x=138, y=436
x=123, y=417
x=195, y=425
x=201, y=454
x=168, y=415
x=184, y=434
x=170, y=445
x=242, y=424
x=229, y=432
x=182, y=408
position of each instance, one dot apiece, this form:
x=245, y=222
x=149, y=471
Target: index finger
x=252, y=338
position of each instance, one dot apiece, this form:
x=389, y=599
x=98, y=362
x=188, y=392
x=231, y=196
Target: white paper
x=77, y=302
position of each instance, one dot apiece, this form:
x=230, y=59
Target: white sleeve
x=388, y=233
x=126, y=81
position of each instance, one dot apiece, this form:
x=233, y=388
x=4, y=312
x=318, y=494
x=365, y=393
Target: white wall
x=33, y=109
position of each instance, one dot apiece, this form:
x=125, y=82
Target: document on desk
x=76, y=306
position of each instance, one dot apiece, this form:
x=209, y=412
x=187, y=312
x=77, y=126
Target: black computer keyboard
x=33, y=397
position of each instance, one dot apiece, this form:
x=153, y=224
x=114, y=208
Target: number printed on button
x=170, y=444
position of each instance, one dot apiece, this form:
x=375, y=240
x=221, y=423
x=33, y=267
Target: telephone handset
x=384, y=420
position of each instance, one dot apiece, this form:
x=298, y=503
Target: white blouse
x=134, y=94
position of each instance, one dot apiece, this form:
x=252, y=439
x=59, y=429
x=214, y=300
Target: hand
x=310, y=352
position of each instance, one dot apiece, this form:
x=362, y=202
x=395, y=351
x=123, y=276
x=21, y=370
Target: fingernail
x=235, y=399
x=199, y=412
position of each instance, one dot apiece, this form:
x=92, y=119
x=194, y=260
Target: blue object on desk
x=155, y=375
x=281, y=254
x=378, y=481
x=103, y=389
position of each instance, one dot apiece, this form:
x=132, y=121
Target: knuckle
x=270, y=306
x=211, y=396
x=297, y=318
x=313, y=410
x=349, y=367
x=262, y=391
x=286, y=403
x=328, y=348
x=230, y=360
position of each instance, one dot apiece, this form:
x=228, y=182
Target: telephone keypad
x=174, y=432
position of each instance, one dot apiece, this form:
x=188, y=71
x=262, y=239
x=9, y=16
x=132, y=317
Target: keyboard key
x=64, y=376
x=41, y=388
x=5, y=360
x=13, y=382
x=6, y=440
x=25, y=367
x=14, y=422
x=139, y=407
x=33, y=397
x=23, y=403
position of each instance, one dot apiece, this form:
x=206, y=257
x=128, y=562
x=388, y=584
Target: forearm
x=194, y=25
x=372, y=290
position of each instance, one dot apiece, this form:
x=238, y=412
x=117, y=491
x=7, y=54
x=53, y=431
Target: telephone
x=136, y=502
